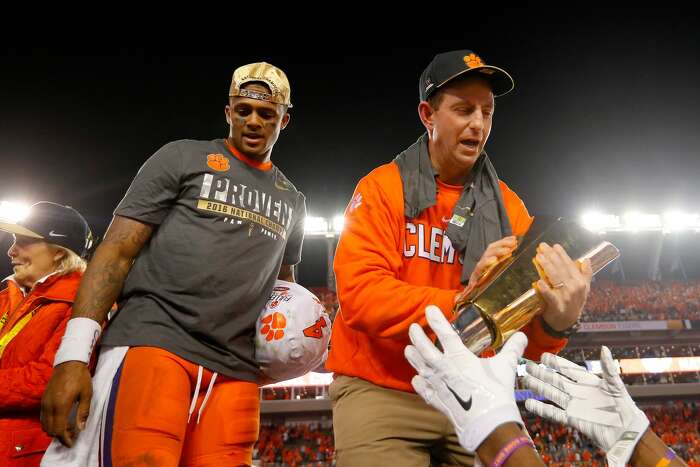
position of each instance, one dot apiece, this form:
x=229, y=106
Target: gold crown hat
x=273, y=77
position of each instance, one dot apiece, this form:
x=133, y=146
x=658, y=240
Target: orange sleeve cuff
x=446, y=302
x=539, y=341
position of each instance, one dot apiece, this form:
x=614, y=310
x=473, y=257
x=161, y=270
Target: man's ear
x=227, y=111
x=426, y=114
x=285, y=120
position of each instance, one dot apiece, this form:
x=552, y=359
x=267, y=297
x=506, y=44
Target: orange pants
x=148, y=415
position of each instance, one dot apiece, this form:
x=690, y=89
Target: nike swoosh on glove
x=476, y=394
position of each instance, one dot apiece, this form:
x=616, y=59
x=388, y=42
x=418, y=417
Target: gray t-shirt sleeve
x=292, y=250
x=155, y=187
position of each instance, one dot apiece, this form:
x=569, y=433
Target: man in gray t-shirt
x=191, y=257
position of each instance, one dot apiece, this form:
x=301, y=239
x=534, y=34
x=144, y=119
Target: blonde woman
x=35, y=305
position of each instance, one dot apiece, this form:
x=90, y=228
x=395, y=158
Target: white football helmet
x=292, y=333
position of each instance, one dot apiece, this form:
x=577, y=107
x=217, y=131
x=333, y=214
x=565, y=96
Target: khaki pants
x=376, y=426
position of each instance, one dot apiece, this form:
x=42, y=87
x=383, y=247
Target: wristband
x=666, y=460
x=78, y=341
x=508, y=450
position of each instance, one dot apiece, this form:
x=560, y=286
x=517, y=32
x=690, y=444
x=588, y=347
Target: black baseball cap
x=451, y=65
x=54, y=223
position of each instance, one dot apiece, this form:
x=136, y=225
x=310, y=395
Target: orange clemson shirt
x=389, y=268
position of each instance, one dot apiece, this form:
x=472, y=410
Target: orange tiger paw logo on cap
x=274, y=325
x=218, y=162
x=472, y=60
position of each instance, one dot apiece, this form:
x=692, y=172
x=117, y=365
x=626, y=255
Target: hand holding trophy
x=504, y=297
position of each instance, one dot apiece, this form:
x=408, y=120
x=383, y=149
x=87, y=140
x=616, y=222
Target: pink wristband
x=508, y=450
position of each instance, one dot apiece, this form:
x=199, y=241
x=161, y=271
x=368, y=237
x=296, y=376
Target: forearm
x=374, y=301
x=489, y=449
x=651, y=451
x=100, y=286
x=105, y=275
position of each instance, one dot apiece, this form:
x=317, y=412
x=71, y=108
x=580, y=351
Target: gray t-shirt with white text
x=223, y=227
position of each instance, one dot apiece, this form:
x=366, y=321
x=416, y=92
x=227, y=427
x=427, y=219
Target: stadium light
x=675, y=221
x=315, y=225
x=601, y=223
x=637, y=221
x=12, y=211
x=338, y=224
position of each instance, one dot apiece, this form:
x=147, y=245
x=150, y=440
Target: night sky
x=604, y=114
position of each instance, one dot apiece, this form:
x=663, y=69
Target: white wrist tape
x=78, y=341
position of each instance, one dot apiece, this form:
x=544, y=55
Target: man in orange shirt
x=417, y=231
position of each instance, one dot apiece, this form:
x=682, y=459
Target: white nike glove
x=601, y=409
x=476, y=394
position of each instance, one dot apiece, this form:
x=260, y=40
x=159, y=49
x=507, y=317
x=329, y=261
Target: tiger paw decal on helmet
x=273, y=326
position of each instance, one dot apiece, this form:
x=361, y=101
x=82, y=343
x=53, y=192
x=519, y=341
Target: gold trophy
x=504, y=300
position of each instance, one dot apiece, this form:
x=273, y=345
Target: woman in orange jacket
x=35, y=304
